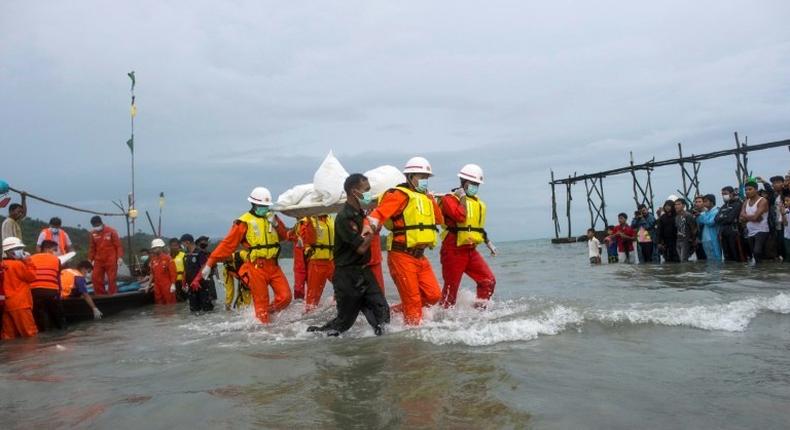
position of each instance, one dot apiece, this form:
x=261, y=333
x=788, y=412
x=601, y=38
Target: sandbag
x=328, y=180
x=383, y=178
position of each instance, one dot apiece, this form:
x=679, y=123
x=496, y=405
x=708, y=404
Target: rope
x=42, y=199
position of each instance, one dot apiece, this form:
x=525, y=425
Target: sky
x=237, y=94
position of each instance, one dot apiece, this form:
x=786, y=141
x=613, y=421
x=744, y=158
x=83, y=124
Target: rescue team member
x=194, y=259
x=18, y=273
x=163, y=274
x=47, y=307
x=57, y=235
x=260, y=233
x=300, y=266
x=73, y=284
x=177, y=254
x=465, y=218
x=237, y=294
x=355, y=286
x=319, y=236
x=106, y=254
x=411, y=216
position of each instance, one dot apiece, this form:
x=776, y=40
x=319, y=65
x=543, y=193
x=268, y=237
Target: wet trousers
x=300, y=273
x=757, y=245
x=356, y=290
x=416, y=284
x=259, y=276
x=200, y=300
x=318, y=272
x=459, y=260
x=18, y=323
x=47, y=309
x=110, y=269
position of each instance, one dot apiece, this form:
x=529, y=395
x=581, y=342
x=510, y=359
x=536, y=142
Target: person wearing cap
x=465, y=217
x=259, y=231
x=194, y=260
x=177, y=254
x=56, y=234
x=106, y=254
x=163, y=274
x=18, y=273
x=47, y=307
x=710, y=229
x=411, y=215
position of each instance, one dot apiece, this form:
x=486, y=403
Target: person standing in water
x=199, y=294
x=465, y=217
x=319, y=237
x=163, y=274
x=593, y=247
x=259, y=232
x=754, y=213
x=411, y=215
x=355, y=285
x=710, y=230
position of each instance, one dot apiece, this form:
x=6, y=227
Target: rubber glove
x=491, y=247
x=172, y=288
x=120, y=261
x=205, y=272
x=97, y=314
x=459, y=192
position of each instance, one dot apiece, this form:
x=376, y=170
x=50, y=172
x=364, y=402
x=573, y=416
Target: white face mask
x=98, y=228
x=18, y=253
x=725, y=197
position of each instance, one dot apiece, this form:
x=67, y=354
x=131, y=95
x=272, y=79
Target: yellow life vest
x=179, y=260
x=472, y=231
x=262, y=237
x=417, y=222
x=325, y=238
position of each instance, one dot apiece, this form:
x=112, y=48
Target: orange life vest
x=62, y=236
x=67, y=277
x=47, y=271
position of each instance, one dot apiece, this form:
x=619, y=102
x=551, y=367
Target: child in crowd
x=594, y=247
x=611, y=244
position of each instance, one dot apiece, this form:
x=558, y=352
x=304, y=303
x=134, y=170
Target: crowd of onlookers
x=745, y=224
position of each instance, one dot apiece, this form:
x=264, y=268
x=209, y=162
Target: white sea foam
x=506, y=321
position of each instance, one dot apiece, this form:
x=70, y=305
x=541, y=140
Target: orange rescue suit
x=163, y=275
x=320, y=266
x=104, y=250
x=410, y=270
x=18, y=313
x=259, y=274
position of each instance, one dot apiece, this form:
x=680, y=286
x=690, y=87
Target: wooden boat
x=130, y=296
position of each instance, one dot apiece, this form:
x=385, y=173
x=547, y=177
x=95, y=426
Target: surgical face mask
x=98, y=228
x=422, y=185
x=725, y=197
x=144, y=258
x=366, y=198
x=261, y=210
x=18, y=253
x=472, y=190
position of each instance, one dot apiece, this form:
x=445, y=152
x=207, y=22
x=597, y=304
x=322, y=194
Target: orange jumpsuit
x=375, y=261
x=258, y=274
x=18, y=313
x=163, y=275
x=413, y=276
x=104, y=250
x=318, y=270
x=300, y=269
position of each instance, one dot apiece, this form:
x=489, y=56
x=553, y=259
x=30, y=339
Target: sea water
x=563, y=345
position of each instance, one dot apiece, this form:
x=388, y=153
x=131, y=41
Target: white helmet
x=417, y=165
x=471, y=172
x=260, y=196
x=157, y=243
x=10, y=243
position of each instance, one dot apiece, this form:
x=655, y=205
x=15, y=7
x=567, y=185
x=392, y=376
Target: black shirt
x=193, y=262
x=348, y=226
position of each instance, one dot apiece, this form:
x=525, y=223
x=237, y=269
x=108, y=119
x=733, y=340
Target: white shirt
x=594, y=246
x=11, y=228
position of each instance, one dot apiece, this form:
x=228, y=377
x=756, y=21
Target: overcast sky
x=232, y=95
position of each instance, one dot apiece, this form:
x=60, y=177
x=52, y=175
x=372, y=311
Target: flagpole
x=132, y=214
